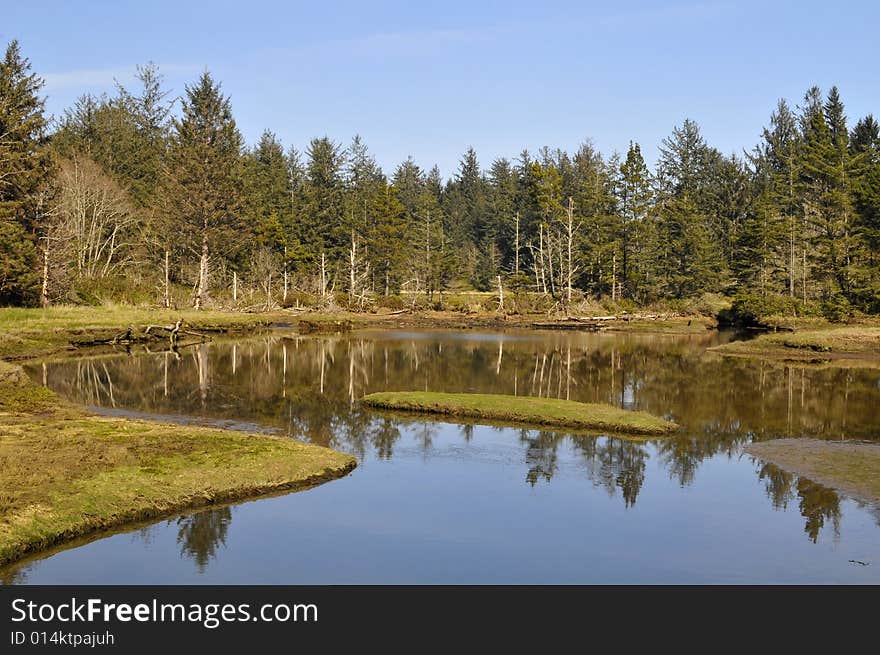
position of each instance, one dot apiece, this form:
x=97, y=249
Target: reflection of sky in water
x=467, y=509
x=628, y=397
x=443, y=335
x=436, y=502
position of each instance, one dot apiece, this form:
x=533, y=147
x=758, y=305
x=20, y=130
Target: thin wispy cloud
x=96, y=78
x=415, y=43
x=693, y=11
x=389, y=44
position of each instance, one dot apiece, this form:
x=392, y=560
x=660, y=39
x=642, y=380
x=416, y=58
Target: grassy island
x=68, y=473
x=524, y=409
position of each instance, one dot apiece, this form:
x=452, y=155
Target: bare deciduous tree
x=93, y=225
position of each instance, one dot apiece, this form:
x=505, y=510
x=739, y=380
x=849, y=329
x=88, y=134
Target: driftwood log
x=132, y=335
x=173, y=330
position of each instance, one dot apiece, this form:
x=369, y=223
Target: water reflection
x=200, y=535
x=600, y=509
x=817, y=503
x=308, y=387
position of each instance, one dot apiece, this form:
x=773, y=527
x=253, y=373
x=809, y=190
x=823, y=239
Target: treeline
x=144, y=195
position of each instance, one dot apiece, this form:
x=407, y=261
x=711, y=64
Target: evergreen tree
x=638, y=236
x=865, y=152
x=323, y=228
x=688, y=259
x=776, y=163
x=690, y=255
x=127, y=134
x=501, y=229
x=296, y=182
x=150, y=112
x=469, y=202
x=591, y=184
x=269, y=180
x=365, y=183
x=755, y=264
x=823, y=189
x=204, y=182
x=388, y=249
x=269, y=200
x=25, y=171
x=865, y=136
x=682, y=161
x=409, y=181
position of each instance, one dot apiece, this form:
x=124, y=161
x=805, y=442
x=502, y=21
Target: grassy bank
x=807, y=345
x=850, y=467
x=67, y=473
x=28, y=333
x=523, y=409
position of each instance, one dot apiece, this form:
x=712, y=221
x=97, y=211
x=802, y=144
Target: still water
x=434, y=501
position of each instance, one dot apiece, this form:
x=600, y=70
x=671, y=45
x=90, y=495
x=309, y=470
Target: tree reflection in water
x=200, y=535
x=308, y=387
x=541, y=455
x=816, y=502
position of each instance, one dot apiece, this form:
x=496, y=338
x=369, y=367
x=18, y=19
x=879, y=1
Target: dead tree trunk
x=269, y=291
x=323, y=277
x=614, y=276
x=203, y=271
x=516, y=248
x=428, y=290
x=541, y=258
x=570, y=227
x=352, y=270
x=550, y=264
x=166, y=295
x=44, y=289
x=284, y=294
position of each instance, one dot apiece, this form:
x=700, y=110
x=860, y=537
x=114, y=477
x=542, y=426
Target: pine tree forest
x=143, y=197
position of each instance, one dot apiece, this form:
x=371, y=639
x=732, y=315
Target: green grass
x=524, y=409
x=850, y=467
x=67, y=473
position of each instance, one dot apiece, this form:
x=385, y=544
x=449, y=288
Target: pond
x=445, y=502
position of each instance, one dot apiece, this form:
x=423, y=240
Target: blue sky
x=429, y=79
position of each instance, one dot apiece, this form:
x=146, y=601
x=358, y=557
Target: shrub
x=455, y=304
x=619, y=306
x=299, y=299
x=116, y=289
x=524, y=302
x=708, y=304
x=836, y=308
x=392, y=302
x=751, y=309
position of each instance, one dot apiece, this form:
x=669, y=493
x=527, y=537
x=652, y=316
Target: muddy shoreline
x=850, y=467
